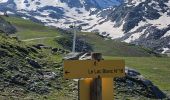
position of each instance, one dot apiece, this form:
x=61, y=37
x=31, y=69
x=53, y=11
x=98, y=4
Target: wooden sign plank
x=75, y=69
x=107, y=88
x=84, y=88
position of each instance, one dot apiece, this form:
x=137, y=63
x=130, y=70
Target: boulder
x=33, y=63
x=3, y=53
x=38, y=46
x=19, y=79
x=157, y=92
x=131, y=72
x=135, y=84
x=38, y=87
x=1, y=70
x=49, y=75
x=54, y=50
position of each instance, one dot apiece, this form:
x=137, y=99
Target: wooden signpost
x=97, y=74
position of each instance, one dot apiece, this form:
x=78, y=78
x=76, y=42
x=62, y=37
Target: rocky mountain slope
x=28, y=72
x=145, y=23
x=141, y=22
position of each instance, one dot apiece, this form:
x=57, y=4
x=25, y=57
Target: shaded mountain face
x=141, y=22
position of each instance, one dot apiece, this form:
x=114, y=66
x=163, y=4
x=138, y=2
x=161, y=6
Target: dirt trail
x=32, y=39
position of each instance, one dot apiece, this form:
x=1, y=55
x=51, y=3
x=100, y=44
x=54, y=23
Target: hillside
x=32, y=71
x=29, y=73
x=33, y=33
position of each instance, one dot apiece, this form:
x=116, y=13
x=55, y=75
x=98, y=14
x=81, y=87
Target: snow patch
x=164, y=50
x=25, y=18
x=3, y=1
x=162, y=22
x=166, y=34
x=155, y=5
x=19, y=4
x=140, y=24
x=108, y=27
x=134, y=36
x=133, y=2
x=10, y=13
x=1, y=13
x=168, y=3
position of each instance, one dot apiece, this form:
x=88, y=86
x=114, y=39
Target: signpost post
x=98, y=76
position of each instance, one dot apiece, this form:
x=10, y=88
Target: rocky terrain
x=28, y=72
x=135, y=86
x=144, y=23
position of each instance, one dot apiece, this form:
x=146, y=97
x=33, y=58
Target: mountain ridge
x=132, y=21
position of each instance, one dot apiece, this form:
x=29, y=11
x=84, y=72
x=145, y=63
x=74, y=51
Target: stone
x=22, y=50
x=73, y=56
x=146, y=82
x=54, y=50
x=1, y=70
x=131, y=72
x=38, y=46
x=19, y=79
x=12, y=67
x=134, y=84
x=33, y=63
x=157, y=92
x=3, y=53
x=49, y=75
x=36, y=87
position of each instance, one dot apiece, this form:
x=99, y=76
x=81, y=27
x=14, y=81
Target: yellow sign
x=84, y=88
x=107, y=89
x=74, y=69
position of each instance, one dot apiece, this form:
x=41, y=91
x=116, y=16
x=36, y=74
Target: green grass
x=27, y=29
x=110, y=47
x=156, y=69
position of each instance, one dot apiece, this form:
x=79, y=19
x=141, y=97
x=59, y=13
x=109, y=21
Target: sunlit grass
x=156, y=69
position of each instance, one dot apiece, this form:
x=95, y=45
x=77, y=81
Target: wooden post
x=96, y=85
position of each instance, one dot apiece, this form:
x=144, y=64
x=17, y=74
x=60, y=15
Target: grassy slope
x=157, y=69
x=27, y=30
x=30, y=30
x=17, y=50
x=113, y=48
